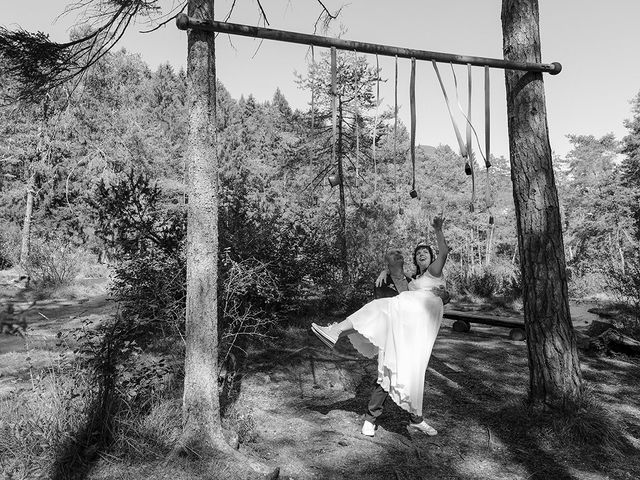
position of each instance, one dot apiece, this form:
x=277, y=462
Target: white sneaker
x=368, y=429
x=423, y=427
x=326, y=334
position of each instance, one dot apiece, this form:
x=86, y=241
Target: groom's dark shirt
x=387, y=289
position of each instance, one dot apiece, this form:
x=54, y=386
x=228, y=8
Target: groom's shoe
x=423, y=427
x=328, y=334
x=368, y=429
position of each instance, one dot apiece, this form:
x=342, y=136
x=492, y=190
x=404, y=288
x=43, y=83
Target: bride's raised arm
x=436, y=267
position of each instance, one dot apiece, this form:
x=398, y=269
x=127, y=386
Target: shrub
x=589, y=284
x=500, y=278
x=625, y=284
x=10, y=238
x=625, y=288
x=53, y=262
x=151, y=290
x=246, y=293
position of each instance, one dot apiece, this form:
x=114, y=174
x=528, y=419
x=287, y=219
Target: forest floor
x=306, y=404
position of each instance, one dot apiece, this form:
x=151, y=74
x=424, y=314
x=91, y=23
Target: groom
x=395, y=282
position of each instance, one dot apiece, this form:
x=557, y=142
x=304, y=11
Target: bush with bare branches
x=53, y=262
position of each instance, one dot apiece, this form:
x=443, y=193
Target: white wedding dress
x=401, y=330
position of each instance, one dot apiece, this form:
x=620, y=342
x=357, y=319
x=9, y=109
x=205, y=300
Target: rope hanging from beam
x=334, y=106
x=395, y=131
x=313, y=103
x=470, y=158
x=487, y=119
x=395, y=112
x=375, y=128
x=461, y=145
x=412, y=102
x=356, y=121
x=487, y=138
x=487, y=151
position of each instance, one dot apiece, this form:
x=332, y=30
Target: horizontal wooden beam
x=508, y=322
x=184, y=22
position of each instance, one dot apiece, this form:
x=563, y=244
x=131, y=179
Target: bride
x=401, y=330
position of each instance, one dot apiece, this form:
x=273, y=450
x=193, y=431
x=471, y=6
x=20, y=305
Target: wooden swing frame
x=184, y=22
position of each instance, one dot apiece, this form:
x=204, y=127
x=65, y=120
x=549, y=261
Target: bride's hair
x=421, y=246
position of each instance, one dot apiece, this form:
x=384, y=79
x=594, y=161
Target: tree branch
x=262, y=12
x=169, y=19
x=325, y=16
x=38, y=64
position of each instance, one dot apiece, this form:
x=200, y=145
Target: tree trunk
x=202, y=433
x=620, y=251
x=202, y=429
x=26, y=225
x=555, y=377
x=25, y=247
x=343, y=204
x=489, y=253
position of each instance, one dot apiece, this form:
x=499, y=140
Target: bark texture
x=41, y=153
x=202, y=428
x=343, y=204
x=555, y=377
x=202, y=432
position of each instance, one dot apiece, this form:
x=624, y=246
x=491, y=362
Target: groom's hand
x=381, y=277
x=443, y=294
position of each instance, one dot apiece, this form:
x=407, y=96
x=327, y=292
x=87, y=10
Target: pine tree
x=630, y=167
x=555, y=376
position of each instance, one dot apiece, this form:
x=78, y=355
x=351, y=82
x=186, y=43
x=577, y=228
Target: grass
x=149, y=436
x=592, y=432
x=37, y=419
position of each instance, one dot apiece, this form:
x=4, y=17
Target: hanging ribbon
x=412, y=101
x=395, y=128
x=487, y=161
x=334, y=106
x=356, y=114
x=375, y=127
x=395, y=113
x=470, y=124
x=463, y=149
x=487, y=142
x=487, y=118
x=313, y=102
x=469, y=164
x=470, y=160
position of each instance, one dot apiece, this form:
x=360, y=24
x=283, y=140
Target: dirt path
x=307, y=403
x=38, y=347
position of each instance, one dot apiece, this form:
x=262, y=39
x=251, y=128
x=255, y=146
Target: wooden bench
x=463, y=321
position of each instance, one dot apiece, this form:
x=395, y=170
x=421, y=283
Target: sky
x=595, y=41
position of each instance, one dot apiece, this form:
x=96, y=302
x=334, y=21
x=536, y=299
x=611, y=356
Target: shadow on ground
x=309, y=403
